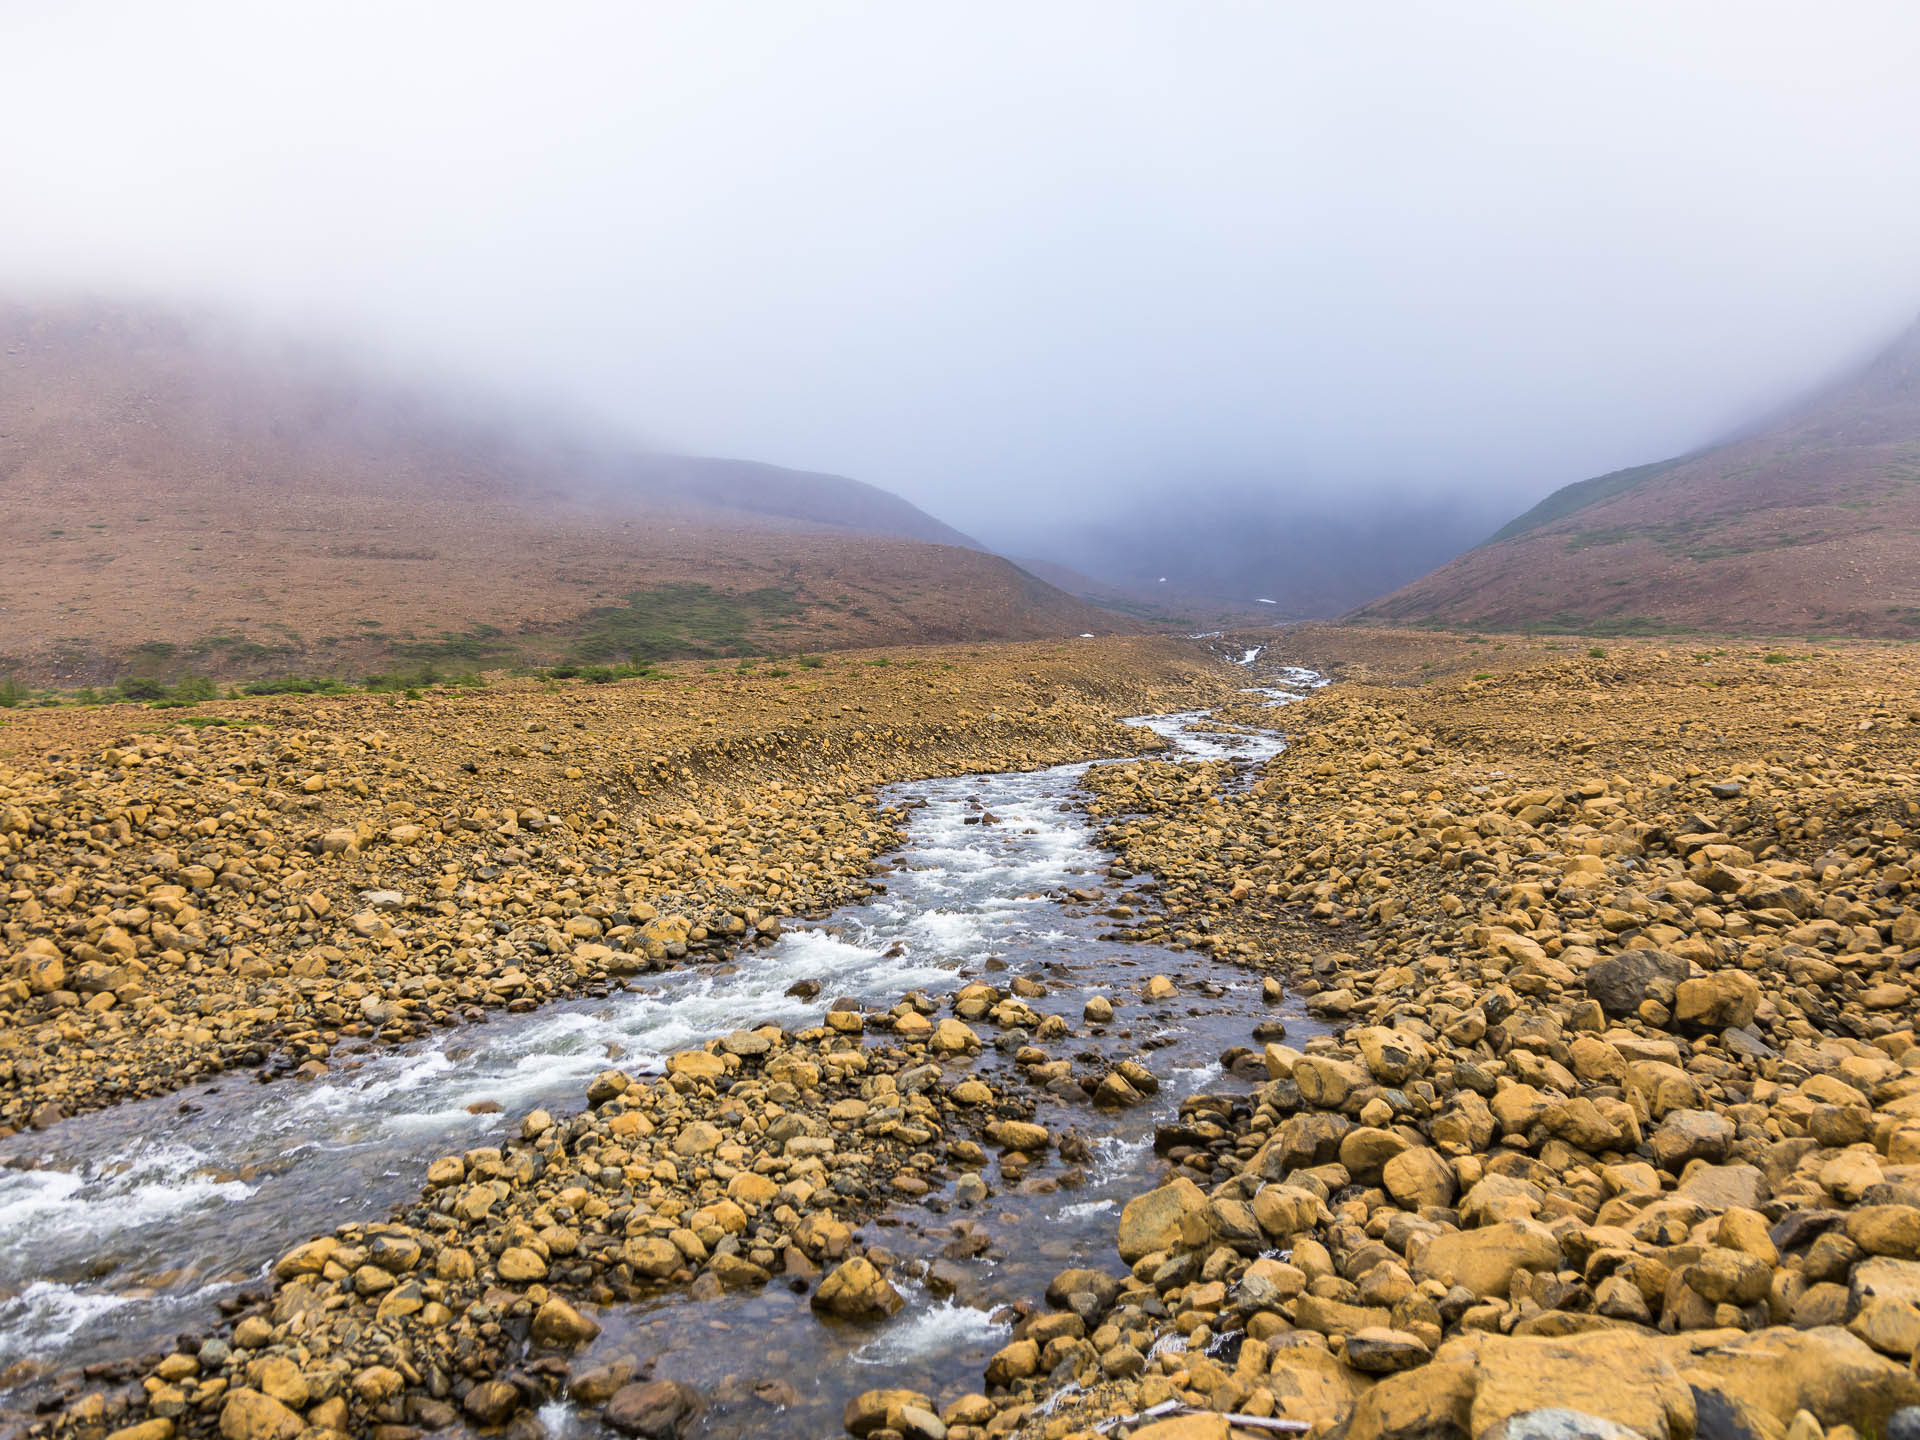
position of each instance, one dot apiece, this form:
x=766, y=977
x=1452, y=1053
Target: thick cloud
x=1017, y=261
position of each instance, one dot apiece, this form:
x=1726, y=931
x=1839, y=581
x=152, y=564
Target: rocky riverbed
x=1600, y=1103
x=1617, y=1113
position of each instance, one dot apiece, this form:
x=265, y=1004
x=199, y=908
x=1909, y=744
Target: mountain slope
x=1808, y=523
x=762, y=489
x=173, y=494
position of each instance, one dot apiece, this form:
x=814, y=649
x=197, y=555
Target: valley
x=1364, y=1053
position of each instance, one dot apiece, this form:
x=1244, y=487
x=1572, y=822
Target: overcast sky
x=1014, y=258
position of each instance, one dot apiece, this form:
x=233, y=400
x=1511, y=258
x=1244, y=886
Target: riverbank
x=1618, y=945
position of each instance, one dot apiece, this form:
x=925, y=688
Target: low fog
x=1096, y=282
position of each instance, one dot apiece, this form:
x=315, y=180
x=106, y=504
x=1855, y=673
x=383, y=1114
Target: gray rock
x=1622, y=982
x=1555, y=1423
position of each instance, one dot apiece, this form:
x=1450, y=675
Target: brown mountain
x=1806, y=524
x=179, y=494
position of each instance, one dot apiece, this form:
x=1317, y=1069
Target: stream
x=120, y=1229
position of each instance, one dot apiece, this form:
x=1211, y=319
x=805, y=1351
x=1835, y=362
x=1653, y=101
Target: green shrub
x=296, y=685
x=1596, y=653
x=141, y=687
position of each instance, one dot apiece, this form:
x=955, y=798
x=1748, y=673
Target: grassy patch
x=672, y=621
x=411, y=682
x=297, y=685
x=476, y=646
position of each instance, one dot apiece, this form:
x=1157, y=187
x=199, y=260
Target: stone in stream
x=653, y=1409
x=558, y=1324
x=857, y=1290
x=873, y=1410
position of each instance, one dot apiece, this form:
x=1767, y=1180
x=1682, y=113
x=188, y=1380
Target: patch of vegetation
x=671, y=621
x=237, y=649
x=1687, y=539
x=1596, y=653
x=212, y=722
x=13, y=693
x=475, y=646
x=883, y=660
x=597, y=674
x=1780, y=659
x=189, y=691
x=809, y=662
x=1565, y=623
x=411, y=682
x=297, y=685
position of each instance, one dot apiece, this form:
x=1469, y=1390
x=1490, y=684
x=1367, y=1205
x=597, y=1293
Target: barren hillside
x=179, y=495
x=1809, y=524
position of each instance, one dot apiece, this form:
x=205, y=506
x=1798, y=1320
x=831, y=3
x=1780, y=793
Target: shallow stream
x=120, y=1229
